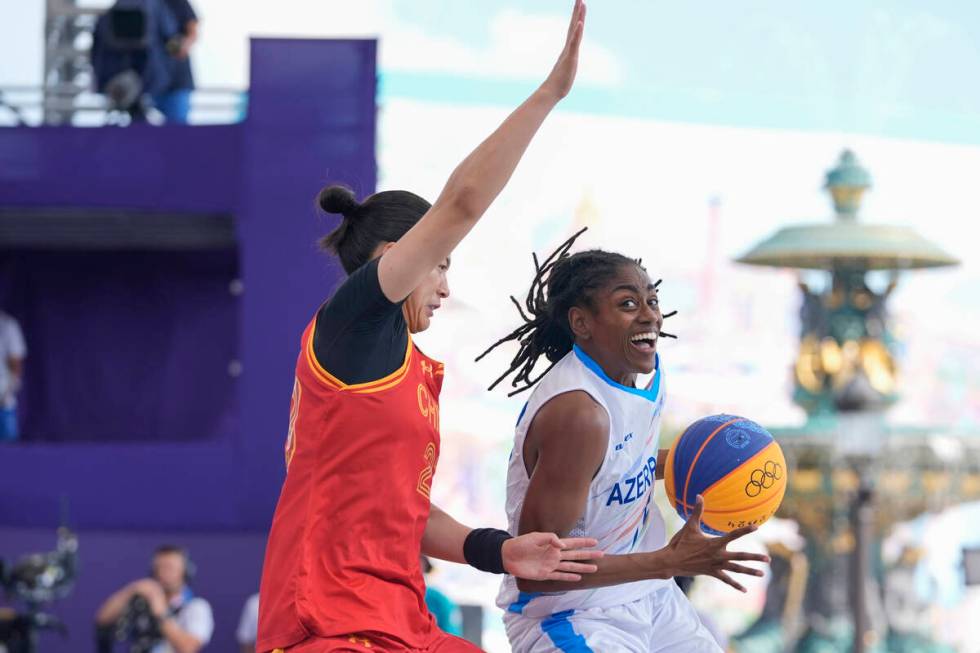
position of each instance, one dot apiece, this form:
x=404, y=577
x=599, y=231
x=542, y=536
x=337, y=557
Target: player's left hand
x=562, y=76
x=545, y=556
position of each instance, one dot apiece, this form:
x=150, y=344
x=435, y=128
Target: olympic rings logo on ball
x=764, y=478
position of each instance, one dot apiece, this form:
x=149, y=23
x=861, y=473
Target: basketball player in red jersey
x=342, y=569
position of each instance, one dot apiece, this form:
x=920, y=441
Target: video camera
x=138, y=626
x=36, y=579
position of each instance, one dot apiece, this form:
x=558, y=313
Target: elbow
x=104, y=617
x=464, y=200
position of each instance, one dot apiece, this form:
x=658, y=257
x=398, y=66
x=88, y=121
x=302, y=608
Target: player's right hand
x=692, y=553
x=545, y=556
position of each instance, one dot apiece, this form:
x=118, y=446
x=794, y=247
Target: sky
x=677, y=105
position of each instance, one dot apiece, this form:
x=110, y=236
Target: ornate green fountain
x=853, y=475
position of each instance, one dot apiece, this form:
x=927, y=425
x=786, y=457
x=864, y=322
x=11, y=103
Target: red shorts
x=378, y=643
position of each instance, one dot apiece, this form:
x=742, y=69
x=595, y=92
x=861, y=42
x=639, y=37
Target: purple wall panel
x=174, y=487
x=176, y=168
x=316, y=123
x=312, y=119
x=114, y=338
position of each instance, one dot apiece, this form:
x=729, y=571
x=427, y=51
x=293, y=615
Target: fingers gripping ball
x=735, y=464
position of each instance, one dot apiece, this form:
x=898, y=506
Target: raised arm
x=566, y=444
x=477, y=181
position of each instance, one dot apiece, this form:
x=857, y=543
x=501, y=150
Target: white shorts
x=664, y=621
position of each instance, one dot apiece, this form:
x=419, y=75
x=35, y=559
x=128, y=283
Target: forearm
x=477, y=181
x=113, y=607
x=180, y=639
x=444, y=537
x=612, y=570
x=661, y=462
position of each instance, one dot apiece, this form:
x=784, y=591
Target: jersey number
x=425, y=476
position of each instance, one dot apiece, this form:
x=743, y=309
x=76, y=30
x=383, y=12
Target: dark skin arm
x=563, y=450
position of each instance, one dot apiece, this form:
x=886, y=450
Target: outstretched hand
x=693, y=553
x=545, y=556
x=562, y=75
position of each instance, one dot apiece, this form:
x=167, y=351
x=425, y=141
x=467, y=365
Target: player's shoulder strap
x=567, y=375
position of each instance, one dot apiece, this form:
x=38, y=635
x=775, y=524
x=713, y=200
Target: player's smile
x=641, y=345
x=645, y=341
x=626, y=325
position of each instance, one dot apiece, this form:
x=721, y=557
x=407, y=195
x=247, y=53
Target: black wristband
x=483, y=549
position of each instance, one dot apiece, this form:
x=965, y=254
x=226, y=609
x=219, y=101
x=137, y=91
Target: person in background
x=13, y=351
x=175, y=101
x=248, y=625
x=185, y=621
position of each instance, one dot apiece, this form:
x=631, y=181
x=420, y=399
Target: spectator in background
x=12, y=354
x=184, y=621
x=248, y=625
x=175, y=101
x=447, y=613
x=141, y=56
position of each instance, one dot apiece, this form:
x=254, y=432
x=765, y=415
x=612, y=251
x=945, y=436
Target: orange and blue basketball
x=733, y=463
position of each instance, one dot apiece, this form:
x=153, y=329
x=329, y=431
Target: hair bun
x=338, y=199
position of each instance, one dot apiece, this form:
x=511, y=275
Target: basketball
x=734, y=464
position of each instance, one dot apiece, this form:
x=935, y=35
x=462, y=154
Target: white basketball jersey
x=620, y=512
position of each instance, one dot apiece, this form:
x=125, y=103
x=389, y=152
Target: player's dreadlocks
x=560, y=282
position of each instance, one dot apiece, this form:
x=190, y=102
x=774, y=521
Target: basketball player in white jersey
x=584, y=464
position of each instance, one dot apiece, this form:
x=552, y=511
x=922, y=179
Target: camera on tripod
x=36, y=579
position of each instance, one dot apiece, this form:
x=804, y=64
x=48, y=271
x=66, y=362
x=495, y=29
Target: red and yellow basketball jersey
x=343, y=552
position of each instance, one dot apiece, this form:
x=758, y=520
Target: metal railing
x=65, y=96
x=28, y=106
